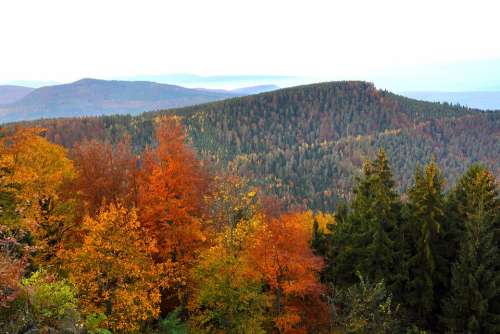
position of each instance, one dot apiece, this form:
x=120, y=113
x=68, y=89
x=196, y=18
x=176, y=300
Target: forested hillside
x=102, y=240
x=307, y=144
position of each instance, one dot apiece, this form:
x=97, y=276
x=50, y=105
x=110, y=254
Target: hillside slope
x=88, y=97
x=306, y=144
x=10, y=93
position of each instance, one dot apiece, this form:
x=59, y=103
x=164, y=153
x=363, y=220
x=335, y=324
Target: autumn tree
x=106, y=173
x=11, y=271
x=228, y=297
x=37, y=169
x=8, y=205
x=52, y=303
x=114, y=271
x=334, y=244
x=367, y=307
x=171, y=189
x=33, y=171
x=231, y=200
x=281, y=254
x=323, y=226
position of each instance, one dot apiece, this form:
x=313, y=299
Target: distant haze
x=90, y=97
x=221, y=81
x=480, y=75
x=481, y=100
x=424, y=45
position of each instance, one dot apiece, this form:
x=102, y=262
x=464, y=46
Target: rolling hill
x=306, y=144
x=10, y=93
x=88, y=97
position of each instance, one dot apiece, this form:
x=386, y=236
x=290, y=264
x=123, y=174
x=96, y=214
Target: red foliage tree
x=105, y=174
x=11, y=270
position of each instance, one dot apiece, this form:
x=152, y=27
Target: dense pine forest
x=329, y=208
x=307, y=144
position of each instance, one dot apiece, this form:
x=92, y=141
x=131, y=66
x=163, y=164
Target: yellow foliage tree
x=33, y=171
x=228, y=297
x=37, y=166
x=325, y=222
x=231, y=200
x=114, y=271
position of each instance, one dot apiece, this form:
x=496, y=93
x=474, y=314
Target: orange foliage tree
x=171, y=189
x=281, y=254
x=114, y=271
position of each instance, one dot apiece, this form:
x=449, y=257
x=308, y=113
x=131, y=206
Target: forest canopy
x=306, y=145
x=103, y=238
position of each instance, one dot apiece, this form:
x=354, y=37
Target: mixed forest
x=331, y=208
x=307, y=144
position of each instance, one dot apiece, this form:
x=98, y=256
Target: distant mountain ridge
x=91, y=97
x=12, y=93
x=306, y=144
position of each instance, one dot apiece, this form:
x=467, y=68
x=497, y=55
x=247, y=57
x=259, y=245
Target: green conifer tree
x=472, y=305
x=425, y=210
x=375, y=219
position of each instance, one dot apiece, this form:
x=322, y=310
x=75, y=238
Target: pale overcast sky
x=67, y=40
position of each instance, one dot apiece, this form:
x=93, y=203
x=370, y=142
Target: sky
x=401, y=45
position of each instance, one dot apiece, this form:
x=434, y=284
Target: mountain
x=307, y=144
x=488, y=100
x=89, y=97
x=10, y=93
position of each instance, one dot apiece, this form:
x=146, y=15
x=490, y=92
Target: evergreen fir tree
x=479, y=180
x=425, y=216
x=374, y=220
x=335, y=248
x=475, y=284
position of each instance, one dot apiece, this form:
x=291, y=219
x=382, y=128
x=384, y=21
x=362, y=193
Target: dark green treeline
x=436, y=252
